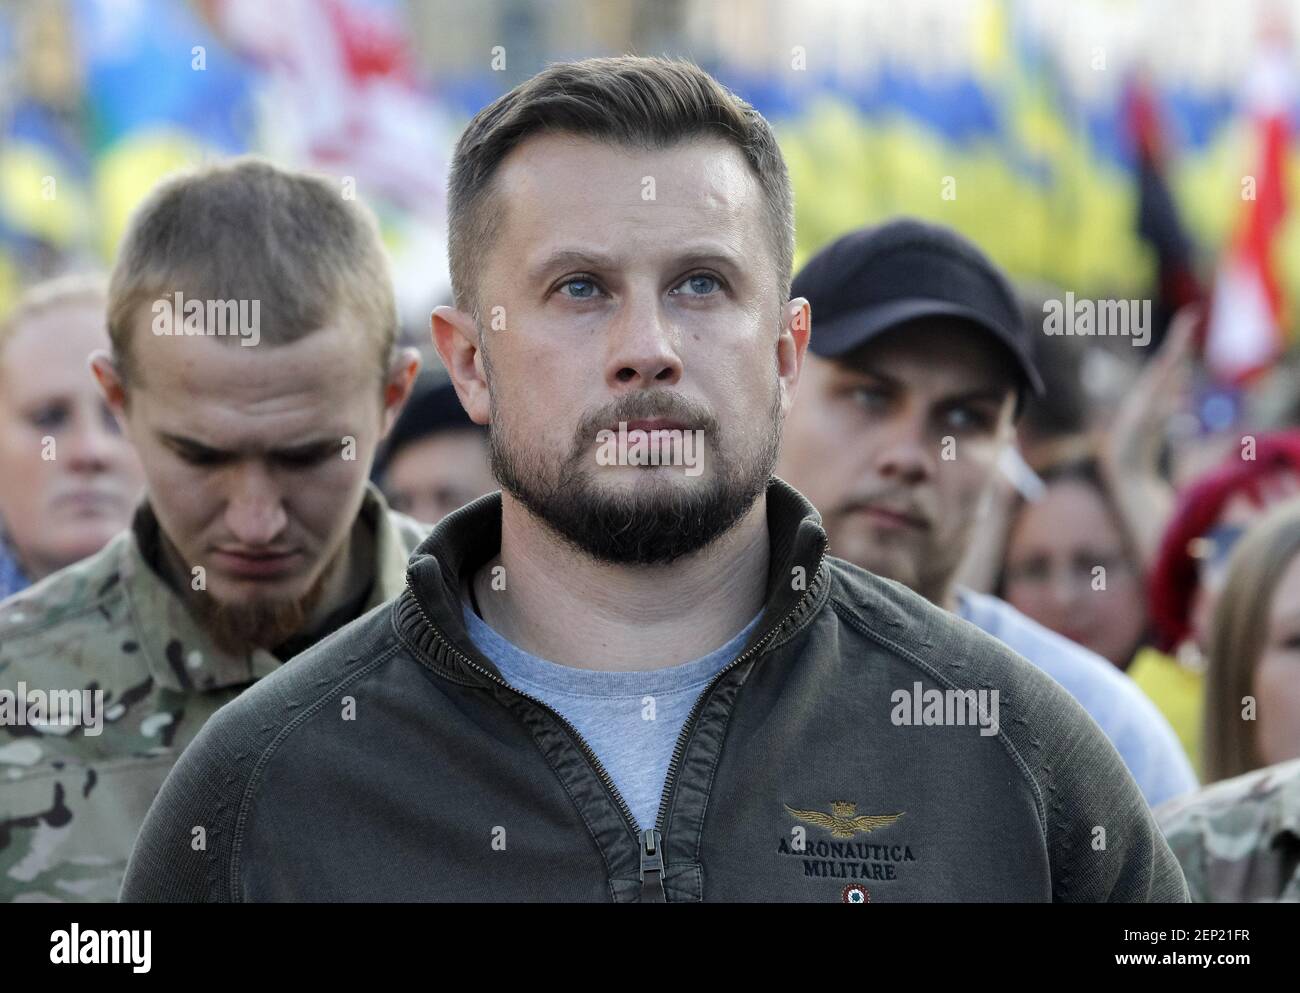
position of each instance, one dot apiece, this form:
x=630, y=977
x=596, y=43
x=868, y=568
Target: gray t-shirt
x=631, y=720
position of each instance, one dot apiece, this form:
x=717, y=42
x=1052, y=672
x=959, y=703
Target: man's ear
x=792, y=346
x=455, y=336
x=112, y=385
x=402, y=371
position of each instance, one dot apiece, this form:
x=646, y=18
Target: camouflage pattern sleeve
x=1237, y=839
x=103, y=681
x=108, y=635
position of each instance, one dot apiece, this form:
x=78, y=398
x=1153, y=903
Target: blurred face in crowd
x=256, y=460
x=1277, y=674
x=1068, y=569
x=434, y=475
x=68, y=478
x=897, y=446
x=663, y=312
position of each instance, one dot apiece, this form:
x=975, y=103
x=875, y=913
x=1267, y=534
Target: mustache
x=640, y=406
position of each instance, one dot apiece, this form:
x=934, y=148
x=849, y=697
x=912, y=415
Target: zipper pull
x=652, y=861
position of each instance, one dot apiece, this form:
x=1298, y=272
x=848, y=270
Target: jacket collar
x=470, y=536
x=180, y=654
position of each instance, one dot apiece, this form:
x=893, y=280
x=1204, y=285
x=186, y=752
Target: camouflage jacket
x=72, y=797
x=1239, y=840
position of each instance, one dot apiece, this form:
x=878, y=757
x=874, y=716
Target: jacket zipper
x=649, y=841
x=679, y=749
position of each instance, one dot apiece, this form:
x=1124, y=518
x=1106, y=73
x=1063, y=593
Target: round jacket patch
x=853, y=893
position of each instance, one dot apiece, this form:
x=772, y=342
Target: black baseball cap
x=874, y=279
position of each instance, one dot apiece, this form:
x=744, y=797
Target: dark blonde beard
x=638, y=528
x=240, y=627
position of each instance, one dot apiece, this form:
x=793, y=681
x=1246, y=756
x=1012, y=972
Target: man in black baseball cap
x=918, y=365
x=881, y=278
x=435, y=459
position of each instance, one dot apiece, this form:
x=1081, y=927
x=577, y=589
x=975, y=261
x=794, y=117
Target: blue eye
x=960, y=417
x=968, y=418
x=868, y=398
x=584, y=289
x=701, y=284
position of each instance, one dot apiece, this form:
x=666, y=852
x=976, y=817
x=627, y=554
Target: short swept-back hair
x=52, y=294
x=247, y=230
x=631, y=101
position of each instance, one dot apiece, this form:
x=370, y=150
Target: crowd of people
x=182, y=518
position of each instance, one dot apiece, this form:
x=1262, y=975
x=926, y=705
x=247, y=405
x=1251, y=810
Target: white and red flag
x=1245, y=332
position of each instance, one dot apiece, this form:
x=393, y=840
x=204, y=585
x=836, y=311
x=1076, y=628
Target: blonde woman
x=1236, y=839
x=69, y=480
x=1252, y=712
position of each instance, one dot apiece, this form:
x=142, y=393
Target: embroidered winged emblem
x=841, y=822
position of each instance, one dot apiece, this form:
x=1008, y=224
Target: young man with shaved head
x=253, y=368
x=635, y=674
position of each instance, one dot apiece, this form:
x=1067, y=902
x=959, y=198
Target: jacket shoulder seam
x=259, y=767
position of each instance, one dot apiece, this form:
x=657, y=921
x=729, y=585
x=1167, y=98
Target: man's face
x=430, y=477
x=897, y=447
x=634, y=286
x=256, y=460
x=70, y=479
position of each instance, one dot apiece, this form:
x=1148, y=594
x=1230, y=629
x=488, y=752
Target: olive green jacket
x=392, y=761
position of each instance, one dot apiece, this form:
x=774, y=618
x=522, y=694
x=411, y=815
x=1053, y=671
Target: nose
x=905, y=456
x=641, y=345
x=255, y=514
x=1064, y=587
